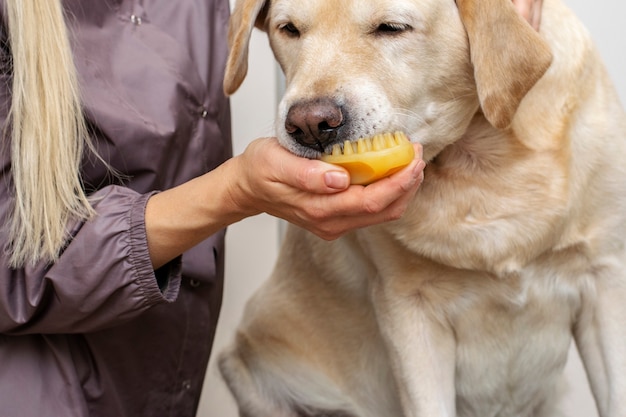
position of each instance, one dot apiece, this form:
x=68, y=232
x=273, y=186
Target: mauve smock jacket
x=94, y=334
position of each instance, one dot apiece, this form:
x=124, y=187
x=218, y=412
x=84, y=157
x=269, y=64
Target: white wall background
x=252, y=245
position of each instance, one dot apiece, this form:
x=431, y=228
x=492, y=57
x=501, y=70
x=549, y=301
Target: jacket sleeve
x=103, y=277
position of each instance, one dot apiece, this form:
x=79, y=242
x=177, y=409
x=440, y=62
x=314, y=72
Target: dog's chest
x=512, y=340
x=512, y=334
x=509, y=359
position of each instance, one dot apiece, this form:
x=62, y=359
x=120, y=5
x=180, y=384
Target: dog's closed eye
x=392, y=28
x=289, y=29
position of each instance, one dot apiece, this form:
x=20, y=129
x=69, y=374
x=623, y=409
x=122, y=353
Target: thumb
x=309, y=175
x=320, y=177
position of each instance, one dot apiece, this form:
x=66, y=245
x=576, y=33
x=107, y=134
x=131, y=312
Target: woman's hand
x=316, y=195
x=530, y=10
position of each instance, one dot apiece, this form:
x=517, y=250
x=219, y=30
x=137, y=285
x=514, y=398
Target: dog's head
x=356, y=68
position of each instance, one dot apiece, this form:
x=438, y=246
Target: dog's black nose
x=314, y=123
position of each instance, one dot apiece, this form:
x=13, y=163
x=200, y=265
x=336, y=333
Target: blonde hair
x=48, y=133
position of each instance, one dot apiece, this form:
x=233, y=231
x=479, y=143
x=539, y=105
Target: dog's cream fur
x=513, y=245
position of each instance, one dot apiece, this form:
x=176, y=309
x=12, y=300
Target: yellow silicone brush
x=370, y=159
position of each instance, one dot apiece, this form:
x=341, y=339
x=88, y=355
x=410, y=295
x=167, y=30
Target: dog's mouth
x=321, y=141
x=312, y=127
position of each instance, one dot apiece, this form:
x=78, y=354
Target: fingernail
x=338, y=180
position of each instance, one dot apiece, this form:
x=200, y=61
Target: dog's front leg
x=421, y=350
x=601, y=338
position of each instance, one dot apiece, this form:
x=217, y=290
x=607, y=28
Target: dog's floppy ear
x=508, y=55
x=246, y=15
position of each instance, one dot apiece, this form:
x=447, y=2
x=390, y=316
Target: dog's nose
x=314, y=123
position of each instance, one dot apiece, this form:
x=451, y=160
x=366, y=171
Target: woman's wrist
x=179, y=218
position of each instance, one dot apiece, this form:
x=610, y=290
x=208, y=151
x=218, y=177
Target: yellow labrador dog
x=512, y=248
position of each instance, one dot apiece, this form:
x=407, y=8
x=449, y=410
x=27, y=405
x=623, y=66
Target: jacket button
x=136, y=20
x=194, y=283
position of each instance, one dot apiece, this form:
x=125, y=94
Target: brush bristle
x=369, y=159
x=376, y=143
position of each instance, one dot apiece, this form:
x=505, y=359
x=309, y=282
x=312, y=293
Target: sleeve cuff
x=163, y=284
